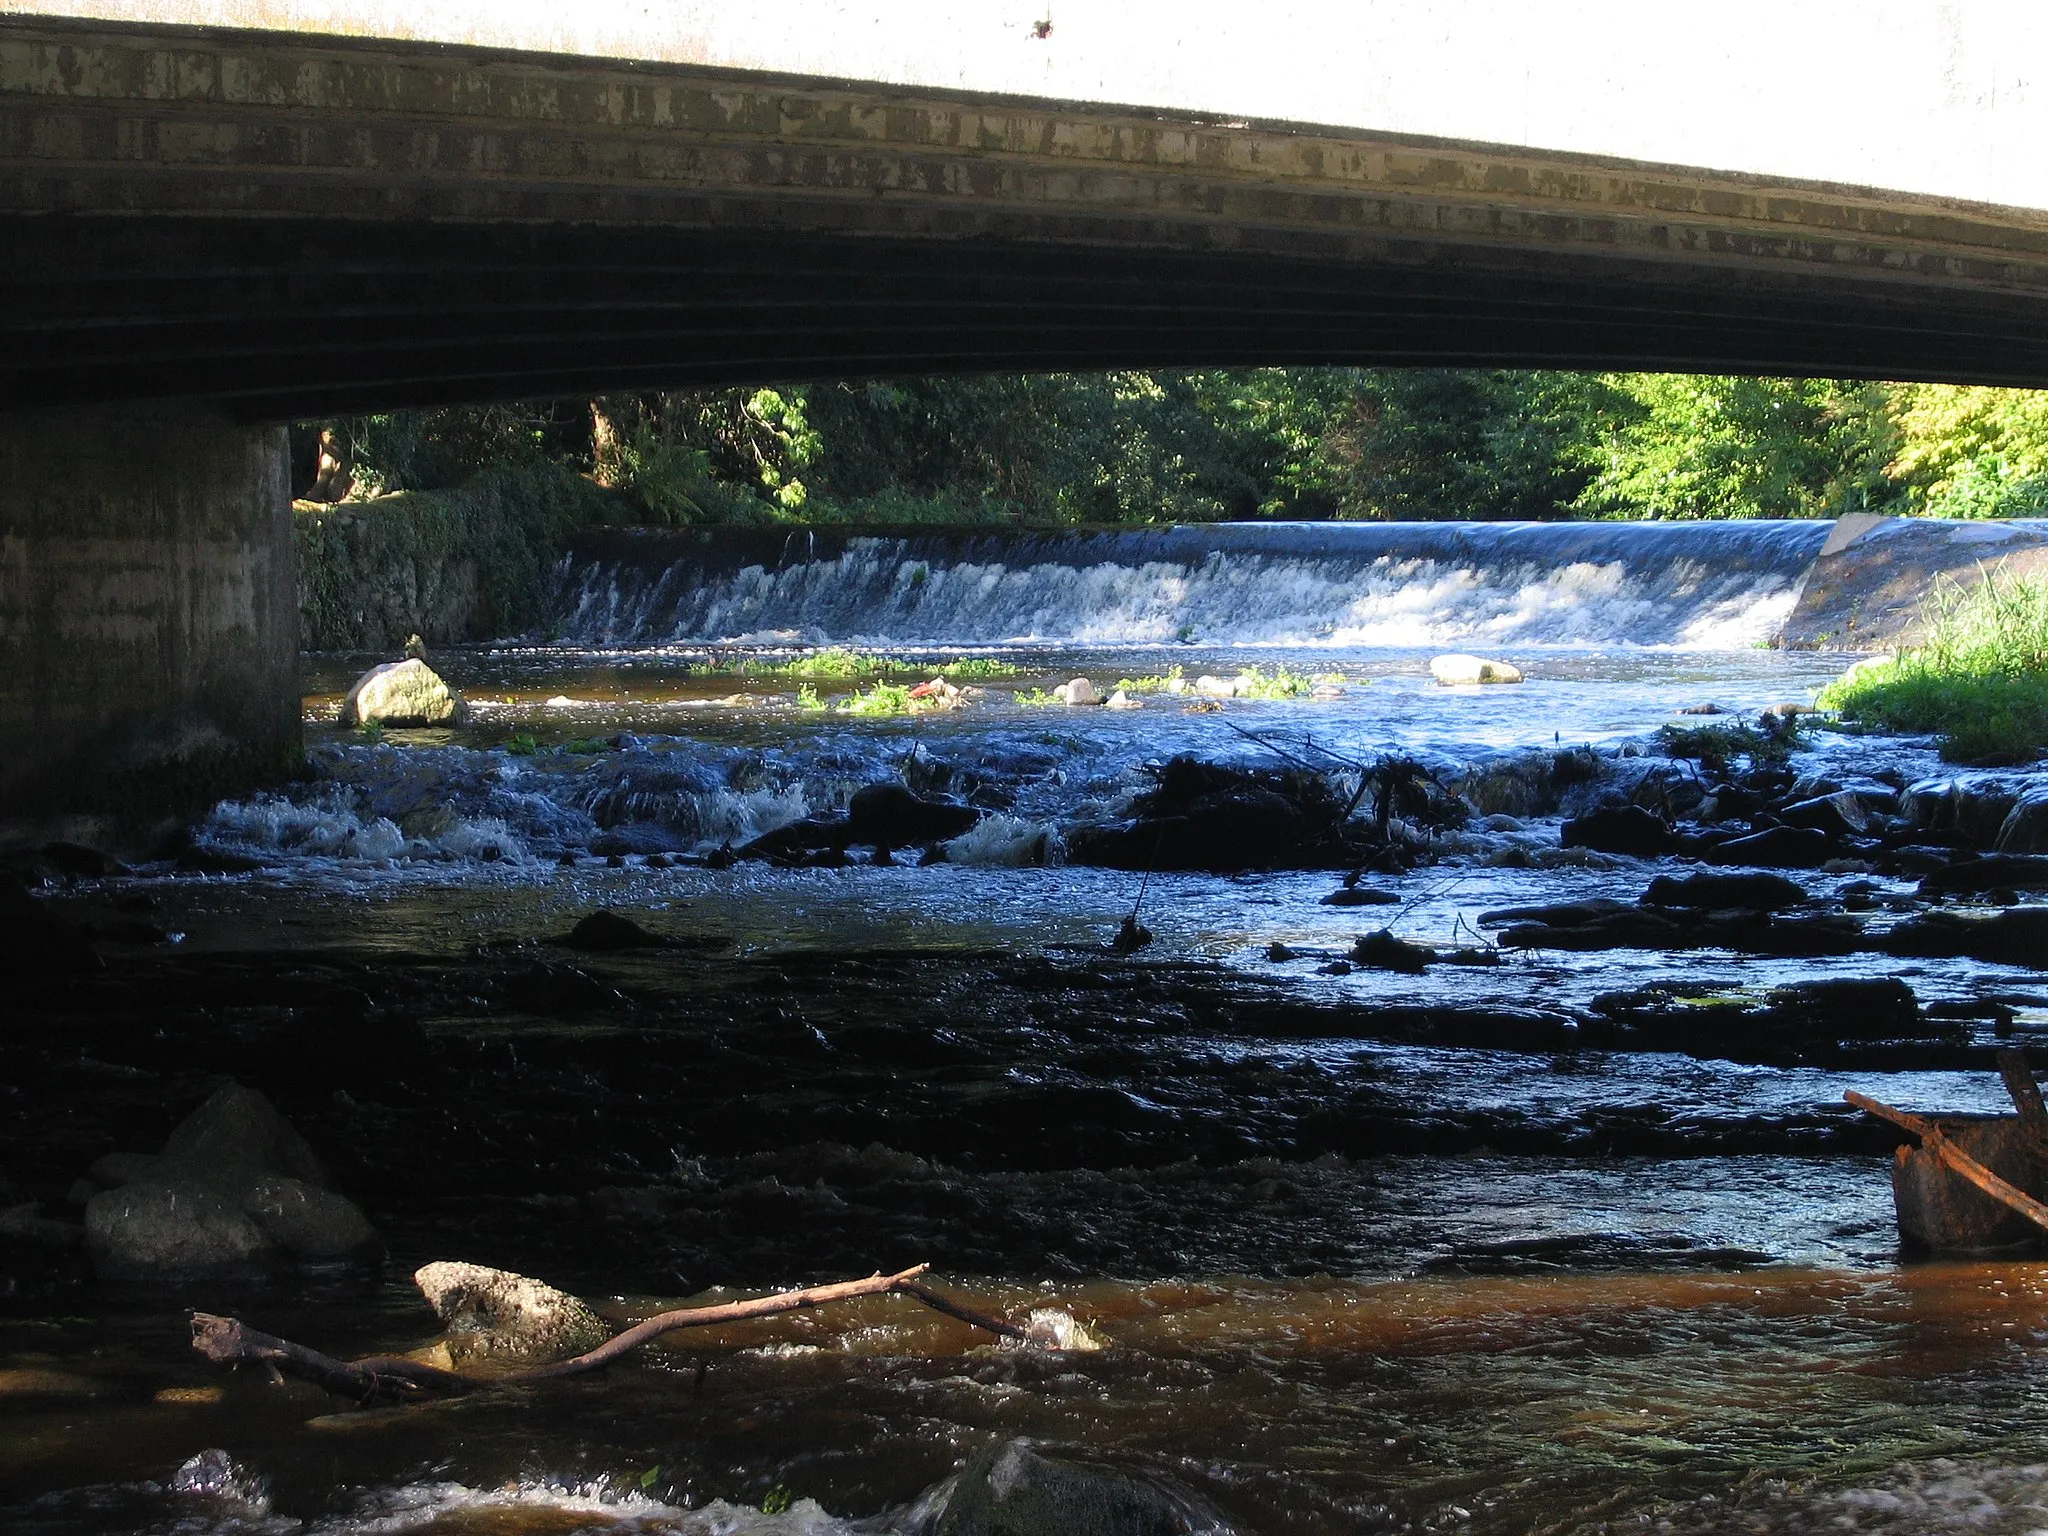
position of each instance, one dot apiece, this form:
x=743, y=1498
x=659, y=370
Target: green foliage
x=1697, y=445
x=881, y=699
x=1281, y=683
x=777, y=1500
x=1159, y=446
x=522, y=745
x=1980, y=680
x=474, y=558
x=1717, y=747
x=1036, y=698
x=807, y=699
x=1431, y=443
x=371, y=731
x=1154, y=683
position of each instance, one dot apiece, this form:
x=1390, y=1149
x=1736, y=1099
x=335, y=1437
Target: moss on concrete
x=474, y=561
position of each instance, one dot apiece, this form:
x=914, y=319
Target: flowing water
x=1340, y=1280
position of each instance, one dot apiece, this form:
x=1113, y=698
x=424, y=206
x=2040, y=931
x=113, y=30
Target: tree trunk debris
x=393, y=1378
x=1935, y=1141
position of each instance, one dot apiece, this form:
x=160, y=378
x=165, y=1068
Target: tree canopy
x=1153, y=446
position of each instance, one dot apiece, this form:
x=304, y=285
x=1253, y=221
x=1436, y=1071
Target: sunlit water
x=1717, y=1336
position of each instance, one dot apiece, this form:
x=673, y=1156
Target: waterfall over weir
x=1705, y=585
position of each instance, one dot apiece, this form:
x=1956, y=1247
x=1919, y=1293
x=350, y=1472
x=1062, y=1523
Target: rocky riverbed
x=1466, y=1150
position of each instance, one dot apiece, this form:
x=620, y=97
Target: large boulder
x=1011, y=1489
x=1459, y=670
x=236, y=1191
x=493, y=1313
x=1618, y=829
x=1972, y=806
x=1755, y=892
x=2025, y=828
x=161, y=1229
x=890, y=816
x=402, y=693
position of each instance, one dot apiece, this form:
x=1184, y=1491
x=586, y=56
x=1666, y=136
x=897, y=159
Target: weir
x=1686, y=585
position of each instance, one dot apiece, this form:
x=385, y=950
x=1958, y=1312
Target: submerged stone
x=1713, y=892
x=1012, y=1489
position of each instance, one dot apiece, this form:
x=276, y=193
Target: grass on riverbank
x=1980, y=679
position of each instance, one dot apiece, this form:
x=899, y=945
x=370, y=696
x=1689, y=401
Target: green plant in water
x=1979, y=680
x=587, y=746
x=777, y=1500
x=881, y=699
x=834, y=662
x=807, y=698
x=371, y=731
x=1036, y=698
x=970, y=667
x=1714, y=747
x=522, y=745
x=1149, y=684
x=1253, y=683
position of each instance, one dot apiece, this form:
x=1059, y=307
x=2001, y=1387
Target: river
x=1349, y=1268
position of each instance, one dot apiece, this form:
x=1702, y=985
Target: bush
x=1980, y=680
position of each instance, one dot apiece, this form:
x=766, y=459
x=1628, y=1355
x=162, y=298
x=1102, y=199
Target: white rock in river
x=1212, y=687
x=1122, y=700
x=1457, y=669
x=405, y=692
x=495, y=1312
x=1079, y=691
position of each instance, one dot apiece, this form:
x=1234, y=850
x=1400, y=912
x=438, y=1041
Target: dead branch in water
x=1934, y=1140
x=393, y=1378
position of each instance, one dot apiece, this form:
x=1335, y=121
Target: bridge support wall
x=148, y=620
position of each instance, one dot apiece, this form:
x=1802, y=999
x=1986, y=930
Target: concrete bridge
x=204, y=229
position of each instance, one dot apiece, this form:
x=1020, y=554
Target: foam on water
x=1682, y=585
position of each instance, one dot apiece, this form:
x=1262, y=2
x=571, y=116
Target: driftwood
x=393, y=1378
x=1936, y=1141
x=2026, y=1097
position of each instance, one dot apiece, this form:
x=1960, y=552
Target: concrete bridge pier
x=148, y=620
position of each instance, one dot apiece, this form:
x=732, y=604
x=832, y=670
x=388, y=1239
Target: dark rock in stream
x=605, y=932
x=2018, y=872
x=1012, y=1489
x=1840, y=814
x=1383, y=952
x=2014, y=936
x=235, y=1192
x=1751, y=933
x=1753, y=892
x=1625, y=829
x=1777, y=848
x=891, y=816
x=34, y=941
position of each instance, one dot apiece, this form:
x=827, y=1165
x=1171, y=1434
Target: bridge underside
x=289, y=318
x=284, y=226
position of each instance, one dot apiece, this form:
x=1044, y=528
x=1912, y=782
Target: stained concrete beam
x=285, y=224
x=148, y=620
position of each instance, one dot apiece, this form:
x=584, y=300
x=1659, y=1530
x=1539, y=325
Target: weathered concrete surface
x=332, y=223
x=148, y=620
x=1941, y=99
x=1868, y=589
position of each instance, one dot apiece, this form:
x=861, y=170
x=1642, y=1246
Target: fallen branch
x=1934, y=1140
x=2026, y=1097
x=393, y=1378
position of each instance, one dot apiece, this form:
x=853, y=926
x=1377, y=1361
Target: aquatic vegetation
x=1715, y=747
x=1281, y=683
x=882, y=699
x=371, y=731
x=1036, y=698
x=522, y=745
x=1979, y=680
x=1155, y=683
x=807, y=698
